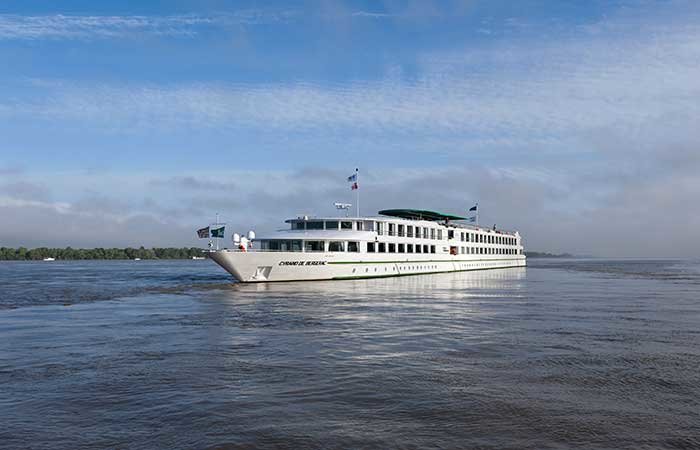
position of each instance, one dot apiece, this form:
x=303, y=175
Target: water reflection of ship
x=463, y=284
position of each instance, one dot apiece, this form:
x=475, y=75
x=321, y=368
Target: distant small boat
x=198, y=257
x=49, y=259
x=137, y=259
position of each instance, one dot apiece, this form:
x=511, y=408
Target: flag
x=471, y=219
x=352, y=178
x=217, y=232
x=354, y=186
x=473, y=208
x=203, y=233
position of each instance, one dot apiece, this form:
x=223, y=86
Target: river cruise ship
x=398, y=242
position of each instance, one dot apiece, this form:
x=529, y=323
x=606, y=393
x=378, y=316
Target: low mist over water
x=152, y=354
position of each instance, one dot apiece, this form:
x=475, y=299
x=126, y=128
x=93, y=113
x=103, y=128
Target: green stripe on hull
x=419, y=261
x=359, y=277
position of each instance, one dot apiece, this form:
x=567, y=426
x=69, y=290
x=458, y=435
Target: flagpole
x=477, y=214
x=217, y=235
x=357, y=180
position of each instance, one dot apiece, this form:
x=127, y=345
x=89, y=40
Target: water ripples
x=173, y=355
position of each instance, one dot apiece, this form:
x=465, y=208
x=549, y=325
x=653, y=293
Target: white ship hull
x=252, y=267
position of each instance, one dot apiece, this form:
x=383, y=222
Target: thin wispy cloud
x=85, y=27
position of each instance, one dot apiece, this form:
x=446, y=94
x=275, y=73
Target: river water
x=594, y=354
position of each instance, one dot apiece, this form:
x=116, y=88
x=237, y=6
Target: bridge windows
x=392, y=248
x=353, y=246
x=402, y=248
x=381, y=247
x=346, y=225
x=371, y=247
x=331, y=225
x=314, y=225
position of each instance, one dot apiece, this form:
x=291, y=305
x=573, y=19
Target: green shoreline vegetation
x=68, y=253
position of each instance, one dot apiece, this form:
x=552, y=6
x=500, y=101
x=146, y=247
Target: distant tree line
x=35, y=254
x=548, y=255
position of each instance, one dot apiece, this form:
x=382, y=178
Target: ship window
x=439, y=235
x=359, y=226
x=382, y=247
x=432, y=249
x=409, y=231
x=402, y=248
x=418, y=232
x=432, y=233
x=297, y=225
x=401, y=230
x=418, y=248
x=409, y=248
x=426, y=249
x=370, y=247
x=392, y=248
x=295, y=246
x=335, y=246
x=346, y=225
x=381, y=226
x=392, y=229
x=314, y=225
x=425, y=233
x=353, y=246
x=450, y=234
x=313, y=246
x=369, y=225
x=332, y=225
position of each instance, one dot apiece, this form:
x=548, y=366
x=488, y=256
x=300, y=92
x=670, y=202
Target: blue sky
x=129, y=123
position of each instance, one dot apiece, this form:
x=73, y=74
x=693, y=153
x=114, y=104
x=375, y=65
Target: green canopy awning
x=419, y=214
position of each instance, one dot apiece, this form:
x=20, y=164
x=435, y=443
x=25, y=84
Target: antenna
x=341, y=206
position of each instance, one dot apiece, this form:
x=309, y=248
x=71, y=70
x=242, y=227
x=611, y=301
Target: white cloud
x=535, y=94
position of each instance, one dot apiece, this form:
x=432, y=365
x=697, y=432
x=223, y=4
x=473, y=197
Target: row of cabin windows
x=400, y=230
x=289, y=245
x=489, y=251
x=382, y=228
x=384, y=247
x=487, y=238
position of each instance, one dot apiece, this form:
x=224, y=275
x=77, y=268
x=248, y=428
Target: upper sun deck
x=387, y=220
